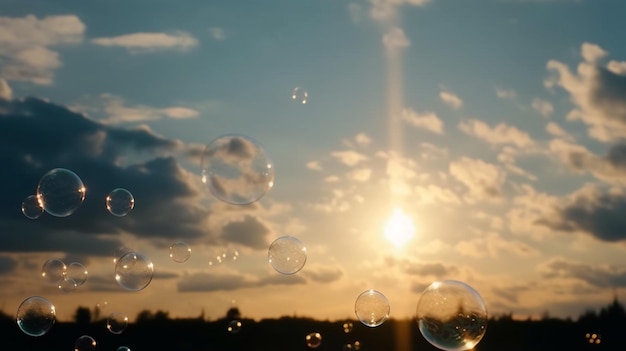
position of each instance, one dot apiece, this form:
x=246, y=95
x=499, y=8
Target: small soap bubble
x=53, y=271
x=234, y=327
x=134, y=271
x=117, y=322
x=123, y=348
x=61, y=192
x=287, y=255
x=32, y=207
x=313, y=340
x=85, y=343
x=67, y=285
x=77, y=272
x=236, y=169
x=120, y=202
x=372, y=308
x=35, y=316
x=180, y=252
x=300, y=95
x=347, y=347
x=356, y=345
x=451, y=315
x=347, y=327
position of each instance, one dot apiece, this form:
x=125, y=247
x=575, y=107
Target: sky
x=495, y=127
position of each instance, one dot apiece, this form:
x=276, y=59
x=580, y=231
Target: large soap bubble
x=287, y=255
x=61, y=192
x=35, y=316
x=134, y=271
x=451, y=315
x=372, y=308
x=236, y=169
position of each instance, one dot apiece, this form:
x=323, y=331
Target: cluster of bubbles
x=593, y=338
x=66, y=277
x=224, y=255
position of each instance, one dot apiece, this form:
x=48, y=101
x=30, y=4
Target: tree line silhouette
x=593, y=330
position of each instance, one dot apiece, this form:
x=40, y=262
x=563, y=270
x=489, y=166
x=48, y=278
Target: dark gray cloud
x=596, y=212
x=596, y=276
x=323, y=274
x=249, y=232
x=37, y=136
x=200, y=282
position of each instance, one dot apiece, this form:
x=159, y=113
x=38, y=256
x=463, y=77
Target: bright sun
x=399, y=229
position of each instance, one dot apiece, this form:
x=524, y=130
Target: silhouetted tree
x=82, y=315
x=233, y=313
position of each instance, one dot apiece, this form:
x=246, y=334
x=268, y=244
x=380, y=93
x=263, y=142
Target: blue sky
x=497, y=126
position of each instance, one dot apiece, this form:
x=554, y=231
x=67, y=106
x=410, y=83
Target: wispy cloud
x=451, y=99
x=499, y=134
x=149, y=41
x=5, y=90
x=427, y=120
x=506, y=93
x=396, y=38
x=217, y=33
x=544, y=107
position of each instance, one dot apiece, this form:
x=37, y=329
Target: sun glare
x=399, y=229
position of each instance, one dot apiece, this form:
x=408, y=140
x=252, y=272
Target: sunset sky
x=497, y=126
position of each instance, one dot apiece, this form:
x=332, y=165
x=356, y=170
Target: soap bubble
x=300, y=95
x=347, y=327
x=119, y=202
x=53, y=271
x=77, y=272
x=134, y=271
x=123, y=348
x=35, y=316
x=67, y=285
x=372, y=308
x=234, y=327
x=85, y=343
x=117, y=322
x=356, y=345
x=451, y=315
x=287, y=255
x=313, y=340
x=180, y=252
x=121, y=251
x=61, y=192
x=347, y=347
x=236, y=169
x=32, y=208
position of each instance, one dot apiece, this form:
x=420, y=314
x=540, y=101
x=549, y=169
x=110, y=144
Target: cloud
x=497, y=135
x=544, y=107
x=314, y=165
x=505, y=93
x=113, y=109
x=7, y=265
x=150, y=42
x=206, y=282
x=58, y=137
x=427, y=120
x=396, y=38
x=599, y=276
x=360, y=175
x=494, y=245
x=349, y=158
x=557, y=131
x=384, y=10
x=217, y=33
x=435, y=270
x=482, y=179
x=26, y=42
x=436, y=195
x=322, y=274
x=249, y=231
x=6, y=92
x=596, y=92
x=451, y=99
x=591, y=210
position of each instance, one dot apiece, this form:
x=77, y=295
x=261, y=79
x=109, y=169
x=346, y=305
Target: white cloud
x=396, y=38
x=556, y=130
x=451, y=99
x=314, y=165
x=362, y=139
x=384, y=10
x=435, y=195
x=217, y=33
x=148, y=42
x=5, y=90
x=544, y=107
x=482, y=179
x=113, y=109
x=497, y=135
x=506, y=93
x=427, y=120
x=25, y=42
x=360, y=175
x=349, y=157
x=597, y=93
x=617, y=67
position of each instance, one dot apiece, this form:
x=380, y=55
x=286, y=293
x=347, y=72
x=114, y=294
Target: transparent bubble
x=451, y=315
x=356, y=345
x=287, y=255
x=234, y=327
x=67, y=285
x=372, y=308
x=35, y=316
x=53, y=271
x=134, y=271
x=32, y=208
x=119, y=202
x=85, y=343
x=313, y=340
x=347, y=327
x=236, y=169
x=123, y=348
x=121, y=251
x=593, y=338
x=347, y=347
x=117, y=322
x=61, y=192
x=300, y=95
x=77, y=272
x=180, y=252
